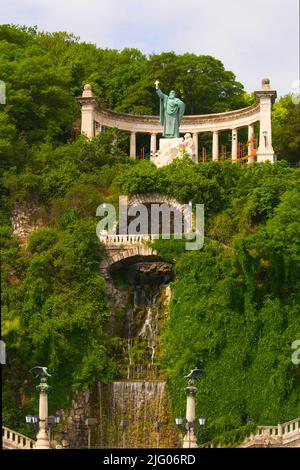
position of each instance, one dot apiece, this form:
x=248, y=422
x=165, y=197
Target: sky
x=253, y=38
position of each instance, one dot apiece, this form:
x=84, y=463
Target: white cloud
x=254, y=39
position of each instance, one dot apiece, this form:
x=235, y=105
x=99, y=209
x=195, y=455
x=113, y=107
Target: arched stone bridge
x=129, y=249
x=118, y=256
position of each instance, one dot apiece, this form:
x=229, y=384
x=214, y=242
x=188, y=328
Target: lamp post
x=190, y=439
x=51, y=422
x=189, y=428
x=42, y=439
x=124, y=426
x=90, y=422
x=158, y=426
x=33, y=420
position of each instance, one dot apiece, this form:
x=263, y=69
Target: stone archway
x=118, y=256
x=155, y=198
x=176, y=210
x=134, y=248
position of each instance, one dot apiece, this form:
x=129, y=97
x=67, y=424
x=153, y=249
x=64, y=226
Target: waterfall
x=142, y=404
x=147, y=284
x=149, y=330
x=139, y=397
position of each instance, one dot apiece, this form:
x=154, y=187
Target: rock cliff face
x=25, y=219
x=128, y=409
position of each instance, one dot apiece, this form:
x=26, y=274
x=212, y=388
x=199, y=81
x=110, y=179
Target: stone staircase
x=14, y=440
x=283, y=435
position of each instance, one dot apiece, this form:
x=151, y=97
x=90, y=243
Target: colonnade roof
x=192, y=123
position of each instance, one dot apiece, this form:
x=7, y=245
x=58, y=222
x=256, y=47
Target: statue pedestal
x=170, y=149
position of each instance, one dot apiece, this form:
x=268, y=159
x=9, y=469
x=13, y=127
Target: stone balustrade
x=268, y=431
x=291, y=426
x=284, y=430
x=14, y=440
x=126, y=239
x=282, y=435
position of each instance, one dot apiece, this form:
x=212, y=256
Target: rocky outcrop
x=25, y=219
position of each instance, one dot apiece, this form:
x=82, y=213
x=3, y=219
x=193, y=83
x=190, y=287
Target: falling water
x=141, y=399
x=144, y=315
x=149, y=329
x=142, y=404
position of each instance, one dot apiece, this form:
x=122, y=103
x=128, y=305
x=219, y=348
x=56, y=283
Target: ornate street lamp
x=189, y=427
x=202, y=422
x=32, y=420
x=42, y=439
x=52, y=421
x=158, y=426
x=90, y=422
x=124, y=426
x=178, y=421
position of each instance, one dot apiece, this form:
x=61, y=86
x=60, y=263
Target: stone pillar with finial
x=89, y=104
x=266, y=98
x=42, y=438
x=190, y=439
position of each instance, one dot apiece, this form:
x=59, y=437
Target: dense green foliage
x=54, y=299
x=54, y=310
x=43, y=72
x=235, y=304
x=286, y=129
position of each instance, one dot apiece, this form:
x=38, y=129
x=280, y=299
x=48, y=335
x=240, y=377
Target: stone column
x=190, y=440
x=133, y=145
x=266, y=98
x=42, y=438
x=215, y=146
x=250, y=142
x=153, y=148
x=196, y=143
x=98, y=129
x=234, y=145
x=88, y=107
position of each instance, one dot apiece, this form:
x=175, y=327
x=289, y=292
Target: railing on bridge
x=14, y=440
x=127, y=239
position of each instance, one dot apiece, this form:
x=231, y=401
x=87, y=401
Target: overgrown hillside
x=235, y=305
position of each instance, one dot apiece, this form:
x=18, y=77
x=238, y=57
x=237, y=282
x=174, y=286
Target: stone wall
x=77, y=434
x=141, y=402
x=25, y=219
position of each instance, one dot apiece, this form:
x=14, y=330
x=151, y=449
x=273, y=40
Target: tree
x=286, y=129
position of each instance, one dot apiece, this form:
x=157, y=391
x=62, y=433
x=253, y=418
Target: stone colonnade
x=215, y=144
x=94, y=118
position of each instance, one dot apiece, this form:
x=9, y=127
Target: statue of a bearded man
x=171, y=112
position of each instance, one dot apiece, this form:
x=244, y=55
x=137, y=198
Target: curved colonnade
x=94, y=119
